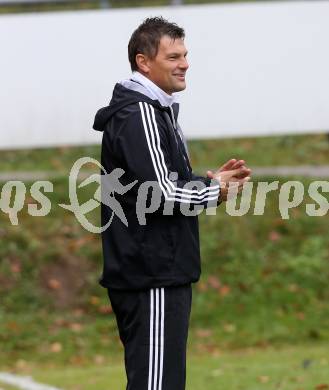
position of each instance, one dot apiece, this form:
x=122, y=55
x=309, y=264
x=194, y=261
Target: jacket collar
x=142, y=84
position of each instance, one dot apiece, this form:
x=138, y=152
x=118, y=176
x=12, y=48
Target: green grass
x=263, y=151
x=264, y=280
x=7, y=387
x=280, y=150
x=287, y=368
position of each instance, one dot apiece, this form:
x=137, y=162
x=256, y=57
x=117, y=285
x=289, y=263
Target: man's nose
x=184, y=64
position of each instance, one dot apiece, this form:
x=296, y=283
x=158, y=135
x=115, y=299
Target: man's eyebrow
x=176, y=54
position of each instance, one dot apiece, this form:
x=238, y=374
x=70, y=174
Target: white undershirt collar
x=156, y=92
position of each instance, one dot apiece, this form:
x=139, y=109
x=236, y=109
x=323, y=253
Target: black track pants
x=153, y=327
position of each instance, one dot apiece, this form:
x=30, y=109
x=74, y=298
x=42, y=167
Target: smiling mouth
x=181, y=76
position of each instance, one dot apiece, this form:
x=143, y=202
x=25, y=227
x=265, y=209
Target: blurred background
x=257, y=90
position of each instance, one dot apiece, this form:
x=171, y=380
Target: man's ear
x=142, y=63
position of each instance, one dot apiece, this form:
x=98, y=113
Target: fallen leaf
x=203, y=333
x=202, y=286
x=224, y=290
x=76, y=327
x=263, y=379
x=12, y=325
x=99, y=359
x=60, y=321
x=214, y=282
x=300, y=315
x=56, y=347
x=229, y=328
x=54, y=284
x=78, y=312
x=21, y=364
x=29, y=200
x=77, y=360
x=105, y=309
x=94, y=300
x=274, y=236
x=243, y=287
x=15, y=268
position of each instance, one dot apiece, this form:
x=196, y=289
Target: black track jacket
x=141, y=137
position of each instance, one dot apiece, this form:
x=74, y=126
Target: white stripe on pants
x=156, y=338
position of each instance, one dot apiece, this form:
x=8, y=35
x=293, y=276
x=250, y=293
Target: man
x=149, y=264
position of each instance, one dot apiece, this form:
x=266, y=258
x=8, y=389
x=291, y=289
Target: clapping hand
x=232, y=173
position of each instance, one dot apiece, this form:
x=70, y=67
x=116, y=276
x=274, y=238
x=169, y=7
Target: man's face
x=167, y=70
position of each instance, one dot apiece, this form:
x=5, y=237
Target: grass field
x=264, y=283
x=287, y=368
x=283, y=150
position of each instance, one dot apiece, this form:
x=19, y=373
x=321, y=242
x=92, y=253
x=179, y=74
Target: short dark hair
x=146, y=38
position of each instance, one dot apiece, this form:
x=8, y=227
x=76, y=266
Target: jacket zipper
x=182, y=149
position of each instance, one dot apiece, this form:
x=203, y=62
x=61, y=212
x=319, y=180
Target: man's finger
x=238, y=164
x=228, y=165
x=232, y=164
x=240, y=172
x=210, y=174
